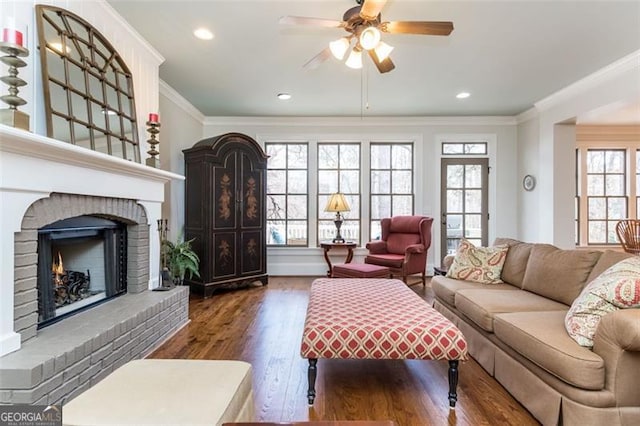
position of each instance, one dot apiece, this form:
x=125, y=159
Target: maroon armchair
x=403, y=246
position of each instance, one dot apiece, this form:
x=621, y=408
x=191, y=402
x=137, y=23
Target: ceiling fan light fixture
x=355, y=59
x=369, y=38
x=339, y=47
x=383, y=50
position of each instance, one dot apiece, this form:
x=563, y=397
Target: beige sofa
x=516, y=332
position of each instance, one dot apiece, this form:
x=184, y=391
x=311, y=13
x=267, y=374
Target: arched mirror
x=88, y=89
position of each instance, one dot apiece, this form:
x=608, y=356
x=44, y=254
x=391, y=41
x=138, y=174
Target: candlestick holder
x=153, y=128
x=11, y=116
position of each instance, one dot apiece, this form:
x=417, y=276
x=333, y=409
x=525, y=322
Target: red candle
x=10, y=35
x=153, y=118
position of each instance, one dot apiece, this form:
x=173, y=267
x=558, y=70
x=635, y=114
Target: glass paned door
x=464, y=202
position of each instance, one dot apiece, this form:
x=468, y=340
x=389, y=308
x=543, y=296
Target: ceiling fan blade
x=315, y=62
x=371, y=9
x=383, y=66
x=316, y=22
x=417, y=27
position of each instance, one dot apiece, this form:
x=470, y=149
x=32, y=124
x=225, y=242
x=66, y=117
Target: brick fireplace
x=54, y=195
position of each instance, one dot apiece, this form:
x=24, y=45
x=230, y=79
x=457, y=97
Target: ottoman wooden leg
x=311, y=393
x=453, y=383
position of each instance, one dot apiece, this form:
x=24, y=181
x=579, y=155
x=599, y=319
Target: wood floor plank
x=263, y=326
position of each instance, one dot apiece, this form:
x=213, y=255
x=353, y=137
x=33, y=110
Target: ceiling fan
x=364, y=25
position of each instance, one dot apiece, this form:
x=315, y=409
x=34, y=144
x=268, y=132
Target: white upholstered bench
x=167, y=392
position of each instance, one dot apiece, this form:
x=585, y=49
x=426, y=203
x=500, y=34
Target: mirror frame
x=94, y=101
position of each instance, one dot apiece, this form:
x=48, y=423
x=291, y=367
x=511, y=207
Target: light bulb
x=354, y=60
x=369, y=38
x=339, y=47
x=383, y=50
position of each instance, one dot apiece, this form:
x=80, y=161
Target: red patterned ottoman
x=377, y=318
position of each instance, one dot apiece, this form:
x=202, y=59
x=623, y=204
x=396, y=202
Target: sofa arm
x=414, y=249
x=621, y=328
x=377, y=247
x=617, y=341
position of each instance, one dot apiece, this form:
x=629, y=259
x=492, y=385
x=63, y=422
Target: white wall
x=425, y=131
x=552, y=146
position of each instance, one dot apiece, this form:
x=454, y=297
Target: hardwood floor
x=263, y=326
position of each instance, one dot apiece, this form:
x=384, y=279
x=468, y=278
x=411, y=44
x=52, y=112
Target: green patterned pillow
x=478, y=264
x=616, y=288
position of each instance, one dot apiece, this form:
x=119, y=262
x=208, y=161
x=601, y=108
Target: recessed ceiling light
x=284, y=96
x=463, y=95
x=203, y=34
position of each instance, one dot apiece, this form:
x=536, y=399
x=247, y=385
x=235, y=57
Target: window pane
x=454, y=226
x=380, y=206
x=297, y=233
x=380, y=181
x=376, y=230
x=455, y=176
x=476, y=148
x=597, y=208
x=452, y=148
x=297, y=207
x=401, y=182
x=597, y=232
x=595, y=185
x=275, y=206
x=327, y=181
x=595, y=161
x=297, y=158
x=454, y=200
x=473, y=200
x=617, y=208
x=354, y=207
x=277, y=156
x=350, y=230
x=402, y=156
x=322, y=203
x=350, y=156
x=473, y=228
x=380, y=156
x=297, y=182
x=327, y=156
x=350, y=181
x=473, y=176
x=615, y=185
x=615, y=162
x=276, y=180
x=276, y=230
x=402, y=205
x=612, y=237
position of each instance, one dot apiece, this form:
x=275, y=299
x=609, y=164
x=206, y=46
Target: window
x=464, y=148
x=391, y=182
x=339, y=171
x=637, y=181
x=606, y=194
x=287, y=194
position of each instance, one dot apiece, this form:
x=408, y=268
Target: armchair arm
x=377, y=247
x=414, y=249
x=621, y=328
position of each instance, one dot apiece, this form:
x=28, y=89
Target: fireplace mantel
x=33, y=167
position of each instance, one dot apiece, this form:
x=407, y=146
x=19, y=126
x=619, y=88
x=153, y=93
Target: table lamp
x=337, y=203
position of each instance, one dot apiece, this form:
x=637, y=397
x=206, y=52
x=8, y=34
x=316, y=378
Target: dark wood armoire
x=225, y=211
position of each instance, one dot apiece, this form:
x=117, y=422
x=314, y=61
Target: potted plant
x=180, y=258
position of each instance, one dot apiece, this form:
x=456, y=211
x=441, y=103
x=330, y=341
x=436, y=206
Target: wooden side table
x=328, y=245
x=320, y=423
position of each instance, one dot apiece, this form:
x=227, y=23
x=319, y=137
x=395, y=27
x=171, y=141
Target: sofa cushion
x=607, y=259
x=445, y=288
x=480, y=306
x=558, y=274
x=541, y=338
x=616, y=288
x=516, y=262
x=478, y=264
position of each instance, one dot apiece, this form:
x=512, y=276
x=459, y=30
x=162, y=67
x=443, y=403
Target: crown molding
x=361, y=121
x=527, y=115
x=175, y=97
x=621, y=66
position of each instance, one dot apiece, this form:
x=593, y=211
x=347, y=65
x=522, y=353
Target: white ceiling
x=507, y=54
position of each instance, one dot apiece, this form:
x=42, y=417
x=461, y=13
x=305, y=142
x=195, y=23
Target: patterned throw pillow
x=616, y=288
x=478, y=264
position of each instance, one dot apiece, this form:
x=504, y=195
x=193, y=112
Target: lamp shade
x=354, y=60
x=382, y=51
x=337, y=203
x=339, y=47
x=369, y=38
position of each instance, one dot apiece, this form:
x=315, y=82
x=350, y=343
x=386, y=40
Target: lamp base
x=338, y=223
x=338, y=240
x=14, y=118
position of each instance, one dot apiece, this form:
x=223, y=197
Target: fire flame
x=57, y=268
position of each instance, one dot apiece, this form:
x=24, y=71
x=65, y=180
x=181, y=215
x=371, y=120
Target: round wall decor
x=528, y=183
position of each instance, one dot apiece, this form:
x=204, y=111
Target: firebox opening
x=81, y=262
